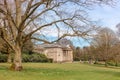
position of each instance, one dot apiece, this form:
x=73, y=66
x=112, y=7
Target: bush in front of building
x=3, y=57
x=35, y=57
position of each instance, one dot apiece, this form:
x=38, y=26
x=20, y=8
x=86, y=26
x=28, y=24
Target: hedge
x=35, y=57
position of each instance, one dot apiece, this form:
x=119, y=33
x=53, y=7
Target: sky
x=107, y=16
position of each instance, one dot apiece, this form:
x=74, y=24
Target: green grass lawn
x=66, y=71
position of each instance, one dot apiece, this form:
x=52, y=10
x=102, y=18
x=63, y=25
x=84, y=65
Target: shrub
x=3, y=57
x=26, y=58
x=35, y=57
x=76, y=59
x=50, y=60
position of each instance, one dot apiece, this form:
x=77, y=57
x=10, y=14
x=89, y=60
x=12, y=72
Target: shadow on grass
x=103, y=66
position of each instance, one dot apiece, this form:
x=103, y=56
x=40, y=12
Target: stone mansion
x=56, y=52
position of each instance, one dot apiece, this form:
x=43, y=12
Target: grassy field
x=66, y=71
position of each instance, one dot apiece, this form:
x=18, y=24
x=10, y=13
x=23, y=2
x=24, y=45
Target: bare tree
x=103, y=42
x=20, y=20
x=4, y=48
x=77, y=53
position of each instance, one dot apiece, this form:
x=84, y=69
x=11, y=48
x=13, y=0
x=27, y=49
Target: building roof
x=54, y=45
x=51, y=46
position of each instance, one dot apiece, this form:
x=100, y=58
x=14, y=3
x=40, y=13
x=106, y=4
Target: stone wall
x=58, y=54
x=54, y=53
x=67, y=55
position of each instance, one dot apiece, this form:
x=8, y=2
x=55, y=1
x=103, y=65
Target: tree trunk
x=106, y=65
x=9, y=59
x=116, y=63
x=17, y=62
x=9, y=56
